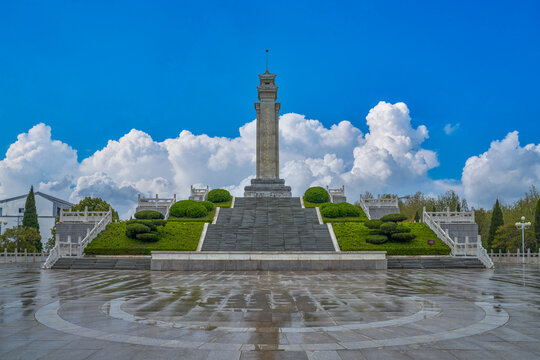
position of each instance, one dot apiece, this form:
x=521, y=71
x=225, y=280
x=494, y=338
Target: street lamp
x=523, y=225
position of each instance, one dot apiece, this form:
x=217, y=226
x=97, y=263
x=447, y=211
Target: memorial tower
x=267, y=183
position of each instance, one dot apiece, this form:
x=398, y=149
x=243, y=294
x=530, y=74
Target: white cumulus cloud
x=504, y=171
x=449, y=129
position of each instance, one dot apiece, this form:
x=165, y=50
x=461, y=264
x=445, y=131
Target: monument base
x=267, y=188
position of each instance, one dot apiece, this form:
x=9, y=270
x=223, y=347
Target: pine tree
x=416, y=217
x=496, y=221
x=30, y=218
x=536, y=225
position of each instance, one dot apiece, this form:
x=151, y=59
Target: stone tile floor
x=394, y=314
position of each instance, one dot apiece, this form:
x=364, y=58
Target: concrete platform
x=275, y=261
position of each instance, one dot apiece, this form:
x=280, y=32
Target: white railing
x=155, y=202
x=452, y=217
x=437, y=229
x=364, y=207
x=100, y=226
x=21, y=256
x=77, y=249
x=483, y=255
x=380, y=201
x=528, y=257
x=467, y=248
x=199, y=194
x=81, y=216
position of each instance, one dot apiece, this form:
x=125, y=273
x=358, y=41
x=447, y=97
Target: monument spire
x=267, y=183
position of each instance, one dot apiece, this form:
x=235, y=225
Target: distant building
x=48, y=208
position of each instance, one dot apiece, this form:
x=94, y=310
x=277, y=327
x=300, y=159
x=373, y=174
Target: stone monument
x=267, y=183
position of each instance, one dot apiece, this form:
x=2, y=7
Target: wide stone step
x=433, y=263
x=103, y=263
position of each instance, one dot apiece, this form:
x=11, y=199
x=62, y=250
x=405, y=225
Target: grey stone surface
x=118, y=263
x=267, y=224
x=77, y=231
x=409, y=314
x=443, y=262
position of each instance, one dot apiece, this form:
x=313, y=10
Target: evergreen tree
x=416, y=217
x=30, y=218
x=496, y=221
x=536, y=224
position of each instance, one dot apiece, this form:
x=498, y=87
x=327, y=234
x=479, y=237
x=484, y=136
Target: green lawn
x=352, y=237
x=174, y=236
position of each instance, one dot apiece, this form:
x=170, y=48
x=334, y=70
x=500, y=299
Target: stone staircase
x=97, y=263
x=450, y=262
x=267, y=224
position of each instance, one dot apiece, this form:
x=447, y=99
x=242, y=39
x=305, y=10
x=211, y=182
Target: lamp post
x=523, y=225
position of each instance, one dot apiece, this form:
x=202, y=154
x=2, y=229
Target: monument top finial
x=267, y=60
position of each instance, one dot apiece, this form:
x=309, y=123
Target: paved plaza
x=394, y=314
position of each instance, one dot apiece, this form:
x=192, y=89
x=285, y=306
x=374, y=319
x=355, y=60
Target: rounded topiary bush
x=348, y=210
x=148, y=237
x=330, y=211
x=376, y=239
x=373, y=224
x=189, y=208
x=388, y=228
x=403, y=237
x=132, y=230
x=196, y=211
x=149, y=214
x=393, y=218
x=316, y=195
x=400, y=228
x=219, y=195
x=207, y=204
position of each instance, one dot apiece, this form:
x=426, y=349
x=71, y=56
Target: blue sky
x=92, y=71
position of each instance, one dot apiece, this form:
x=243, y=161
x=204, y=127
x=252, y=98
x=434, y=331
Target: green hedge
x=373, y=224
x=149, y=214
x=342, y=209
x=316, y=195
x=174, y=236
x=189, y=208
x=393, y=218
x=207, y=204
x=149, y=237
x=376, y=239
x=219, y=195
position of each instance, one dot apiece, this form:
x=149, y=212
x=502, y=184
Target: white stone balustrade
x=452, y=217
x=199, y=194
x=81, y=216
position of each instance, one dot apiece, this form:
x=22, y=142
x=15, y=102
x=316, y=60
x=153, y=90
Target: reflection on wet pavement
x=447, y=314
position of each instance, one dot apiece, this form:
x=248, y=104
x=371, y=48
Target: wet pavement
x=394, y=314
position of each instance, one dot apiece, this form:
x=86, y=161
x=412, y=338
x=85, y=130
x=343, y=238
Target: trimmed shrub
x=323, y=205
x=373, y=224
x=388, y=228
x=196, y=211
x=132, y=230
x=330, y=211
x=375, y=232
x=149, y=214
x=188, y=208
x=403, y=237
x=400, y=228
x=376, y=239
x=219, y=195
x=316, y=195
x=339, y=210
x=207, y=204
x=393, y=218
x=152, y=224
x=348, y=210
x=148, y=237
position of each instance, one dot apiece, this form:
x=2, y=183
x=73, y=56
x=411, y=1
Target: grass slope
x=174, y=236
x=352, y=237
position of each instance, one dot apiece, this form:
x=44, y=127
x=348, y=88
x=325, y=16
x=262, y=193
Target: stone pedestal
x=267, y=188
